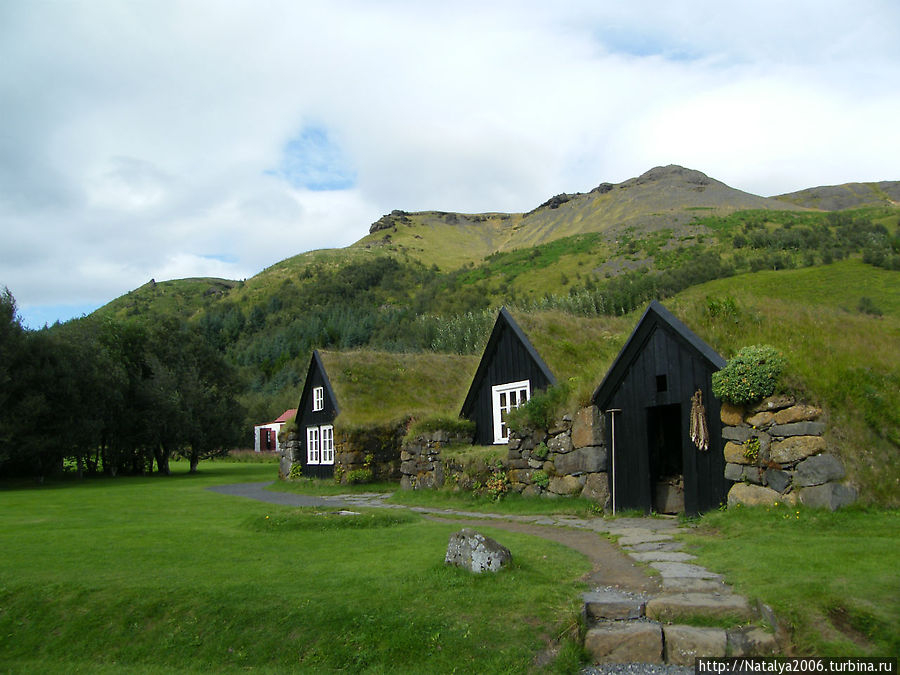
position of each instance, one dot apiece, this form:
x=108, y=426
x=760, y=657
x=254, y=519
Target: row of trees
x=110, y=396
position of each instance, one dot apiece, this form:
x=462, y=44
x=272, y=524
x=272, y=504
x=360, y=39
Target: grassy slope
x=832, y=577
x=839, y=357
x=160, y=575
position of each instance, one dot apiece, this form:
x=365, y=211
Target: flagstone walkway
x=632, y=616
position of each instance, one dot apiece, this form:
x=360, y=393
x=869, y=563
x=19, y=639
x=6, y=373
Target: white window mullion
x=505, y=398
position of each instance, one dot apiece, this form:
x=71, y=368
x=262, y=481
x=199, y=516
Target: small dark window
x=661, y=383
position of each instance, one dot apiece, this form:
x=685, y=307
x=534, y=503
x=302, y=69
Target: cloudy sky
x=150, y=138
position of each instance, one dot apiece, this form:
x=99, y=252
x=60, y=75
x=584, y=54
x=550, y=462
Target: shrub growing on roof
x=749, y=376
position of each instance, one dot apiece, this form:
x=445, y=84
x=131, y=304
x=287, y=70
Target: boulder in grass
x=475, y=552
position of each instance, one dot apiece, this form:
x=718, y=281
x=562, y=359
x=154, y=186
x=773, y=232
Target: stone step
x=678, y=605
x=644, y=641
x=612, y=605
x=661, y=556
x=694, y=585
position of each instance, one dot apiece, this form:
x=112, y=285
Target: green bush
x=540, y=478
x=296, y=472
x=542, y=410
x=749, y=376
x=359, y=476
x=541, y=451
x=452, y=425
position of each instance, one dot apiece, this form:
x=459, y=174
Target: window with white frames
x=312, y=445
x=507, y=397
x=320, y=445
x=318, y=398
x=327, y=435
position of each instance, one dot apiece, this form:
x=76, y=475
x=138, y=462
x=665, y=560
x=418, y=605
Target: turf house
x=510, y=371
x=355, y=408
x=663, y=423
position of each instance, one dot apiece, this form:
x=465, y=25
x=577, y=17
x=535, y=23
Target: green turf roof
x=375, y=387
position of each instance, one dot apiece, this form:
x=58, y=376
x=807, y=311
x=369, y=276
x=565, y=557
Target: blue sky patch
x=314, y=161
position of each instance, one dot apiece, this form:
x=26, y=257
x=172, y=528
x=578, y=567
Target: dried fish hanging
x=699, y=428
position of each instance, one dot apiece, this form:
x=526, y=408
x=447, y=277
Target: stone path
x=632, y=616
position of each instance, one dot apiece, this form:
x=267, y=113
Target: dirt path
x=610, y=567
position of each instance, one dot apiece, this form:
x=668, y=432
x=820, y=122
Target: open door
x=665, y=452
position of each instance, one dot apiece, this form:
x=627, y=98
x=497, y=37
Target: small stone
x=560, y=444
x=734, y=472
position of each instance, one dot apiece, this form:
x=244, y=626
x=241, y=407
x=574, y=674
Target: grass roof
x=579, y=350
x=376, y=387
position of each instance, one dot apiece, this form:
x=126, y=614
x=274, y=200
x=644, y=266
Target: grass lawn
x=159, y=575
x=835, y=577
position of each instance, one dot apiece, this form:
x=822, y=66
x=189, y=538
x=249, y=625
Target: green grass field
x=832, y=577
x=159, y=575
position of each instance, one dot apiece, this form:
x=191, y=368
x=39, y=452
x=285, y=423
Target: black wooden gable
x=508, y=357
x=316, y=376
x=655, y=317
x=647, y=397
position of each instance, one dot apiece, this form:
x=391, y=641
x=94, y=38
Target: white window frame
x=501, y=405
x=320, y=444
x=313, y=447
x=326, y=434
x=318, y=399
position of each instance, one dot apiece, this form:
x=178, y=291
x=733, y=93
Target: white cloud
x=138, y=136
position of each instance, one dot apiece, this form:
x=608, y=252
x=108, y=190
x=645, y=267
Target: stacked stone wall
x=568, y=459
x=777, y=451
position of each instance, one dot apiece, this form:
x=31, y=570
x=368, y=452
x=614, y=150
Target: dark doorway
x=666, y=464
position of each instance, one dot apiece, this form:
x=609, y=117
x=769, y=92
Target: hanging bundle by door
x=699, y=428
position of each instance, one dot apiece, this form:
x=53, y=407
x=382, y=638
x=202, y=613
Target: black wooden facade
x=650, y=384
x=508, y=357
x=307, y=417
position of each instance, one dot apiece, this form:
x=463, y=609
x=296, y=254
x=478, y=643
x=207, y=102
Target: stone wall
x=776, y=452
x=376, y=449
x=568, y=459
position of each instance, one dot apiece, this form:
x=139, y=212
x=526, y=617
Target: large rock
x=778, y=480
x=737, y=434
x=798, y=429
x=761, y=419
x=686, y=643
x=798, y=413
x=596, y=488
x=625, y=642
x=731, y=415
x=795, y=448
x=588, y=428
x=754, y=495
x=828, y=496
x=773, y=403
x=566, y=485
x=817, y=470
x=475, y=552
x=734, y=454
x=583, y=460
x=611, y=604
x=561, y=443
x=751, y=641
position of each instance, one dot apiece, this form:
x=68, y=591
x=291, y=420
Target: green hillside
x=738, y=268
